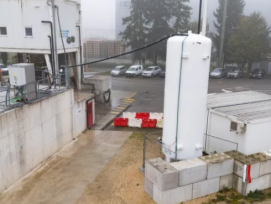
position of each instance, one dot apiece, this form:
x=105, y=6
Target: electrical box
x=23, y=76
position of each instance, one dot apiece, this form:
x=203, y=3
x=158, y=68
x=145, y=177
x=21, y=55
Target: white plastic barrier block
x=260, y=183
x=218, y=165
x=191, y=171
x=157, y=116
x=160, y=123
x=133, y=122
x=239, y=169
x=161, y=174
x=148, y=187
x=206, y=187
x=129, y=115
x=173, y=196
x=226, y=182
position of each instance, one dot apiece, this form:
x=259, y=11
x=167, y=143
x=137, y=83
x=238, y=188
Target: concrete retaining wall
x=32, y=133
x=206, y=175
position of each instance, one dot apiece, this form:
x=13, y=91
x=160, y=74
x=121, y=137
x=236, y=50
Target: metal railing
x=44, y=87
x=153, y=147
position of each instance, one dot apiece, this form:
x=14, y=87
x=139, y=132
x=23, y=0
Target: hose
x=109, y=97
x=180, y=80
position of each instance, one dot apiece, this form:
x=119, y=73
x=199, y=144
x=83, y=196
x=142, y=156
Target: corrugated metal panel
x=248, y=112
x=235, y=98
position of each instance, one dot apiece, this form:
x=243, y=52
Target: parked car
x=134, y=71
x=235, y=73
x=118, y=71
x=151, y=71
x=257, y=73
x=162, y=74
x=218, y=73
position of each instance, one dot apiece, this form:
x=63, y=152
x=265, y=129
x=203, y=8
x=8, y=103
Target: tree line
x=247, y=38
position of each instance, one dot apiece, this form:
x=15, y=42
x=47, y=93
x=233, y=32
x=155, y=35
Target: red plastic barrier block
x=152, y=123
x=142, y=116
x=146, y=123
x=121, y=122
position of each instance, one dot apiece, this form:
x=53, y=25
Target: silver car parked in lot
x=151, y=71
x=235, y=73
x=118, y=71
x=218, y=73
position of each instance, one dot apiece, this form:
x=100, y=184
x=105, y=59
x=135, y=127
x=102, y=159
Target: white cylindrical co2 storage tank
x=187, y=77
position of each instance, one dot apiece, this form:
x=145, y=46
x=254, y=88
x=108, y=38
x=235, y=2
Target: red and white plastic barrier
x=140, y=120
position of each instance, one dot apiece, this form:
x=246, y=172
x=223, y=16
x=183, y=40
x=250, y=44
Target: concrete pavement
x=64, y=177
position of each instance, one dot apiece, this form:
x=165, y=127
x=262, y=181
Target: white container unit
x=188, y=64
x=245, y=127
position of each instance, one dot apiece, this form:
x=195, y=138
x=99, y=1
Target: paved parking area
x=149, y=95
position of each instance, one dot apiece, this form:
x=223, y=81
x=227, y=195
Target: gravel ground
x=121, y=182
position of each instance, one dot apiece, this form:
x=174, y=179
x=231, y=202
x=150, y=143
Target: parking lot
x=150, y=91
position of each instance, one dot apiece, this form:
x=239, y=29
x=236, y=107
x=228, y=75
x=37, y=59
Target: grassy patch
x=232, y=197
x=137, y=135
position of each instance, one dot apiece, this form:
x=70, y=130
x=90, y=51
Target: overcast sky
x=99, y=15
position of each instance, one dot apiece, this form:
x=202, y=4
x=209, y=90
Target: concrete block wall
x=186, y=180
x=32, y=133
x=259, y=176
x=206, y=175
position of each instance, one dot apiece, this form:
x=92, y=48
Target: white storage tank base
x=187, y=77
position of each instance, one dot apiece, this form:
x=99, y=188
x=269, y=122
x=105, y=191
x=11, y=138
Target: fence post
x=144, y=151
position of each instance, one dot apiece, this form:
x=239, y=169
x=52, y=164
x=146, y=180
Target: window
x=28, y=32
x=3, y=31
x=233, y=126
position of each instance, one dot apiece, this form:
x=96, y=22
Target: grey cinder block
x=191, y=171
x=173, y=196
x=239, y=169
x=244, y=188
x=148, y=187
x=161, y=174
x=205, y=188
x=218, y=165
x=226, y=182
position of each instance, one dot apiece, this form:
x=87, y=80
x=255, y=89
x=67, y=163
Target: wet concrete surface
x=65, y=176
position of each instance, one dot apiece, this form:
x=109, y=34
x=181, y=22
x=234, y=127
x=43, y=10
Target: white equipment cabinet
x=23, y=76
x=187, y=77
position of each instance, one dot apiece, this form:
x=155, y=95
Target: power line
x=126, y=53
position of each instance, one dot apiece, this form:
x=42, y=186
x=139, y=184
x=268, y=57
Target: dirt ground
x=121, y=182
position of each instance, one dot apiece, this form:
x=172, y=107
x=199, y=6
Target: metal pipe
x=55, y=39
x=52, y=46
x=81, y=59
x=200, y=9
x=221, y=60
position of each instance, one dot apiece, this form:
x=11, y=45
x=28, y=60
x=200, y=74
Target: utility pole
x=221, y=53
x=204, y=18
x=55, y=39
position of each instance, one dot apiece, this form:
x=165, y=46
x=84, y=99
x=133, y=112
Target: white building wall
x=16, y=15
x=32, y=133
x=258, y=138
x=219, y=136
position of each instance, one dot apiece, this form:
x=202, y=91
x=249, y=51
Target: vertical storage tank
x=187, y=76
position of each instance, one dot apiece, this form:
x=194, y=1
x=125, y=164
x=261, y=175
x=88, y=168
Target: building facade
x=26, y=27
x=102, y=48
x=123, y=8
